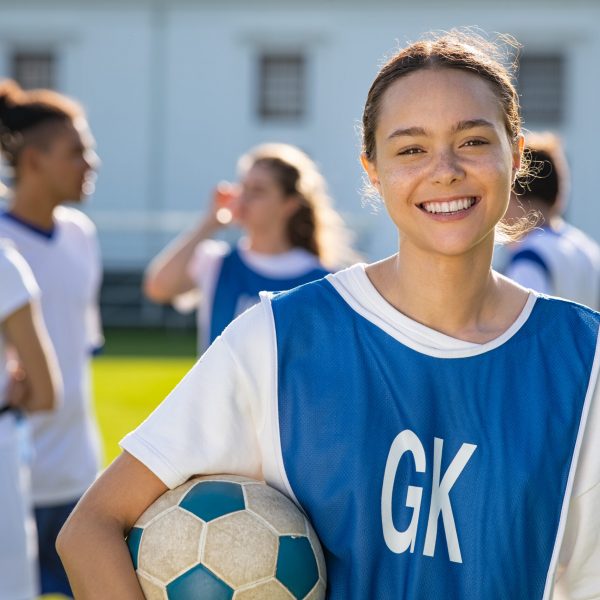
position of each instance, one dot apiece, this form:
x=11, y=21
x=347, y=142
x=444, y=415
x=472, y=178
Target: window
x=34, y=69
x=282, y=83
x=541, y=81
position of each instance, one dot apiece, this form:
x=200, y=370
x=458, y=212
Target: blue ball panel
x=134, y=539
x=197, y=583
x=297, y=566
x=211, y=499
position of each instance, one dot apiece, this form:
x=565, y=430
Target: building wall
x=170, y=91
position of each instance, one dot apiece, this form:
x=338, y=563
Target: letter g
x=400, y=541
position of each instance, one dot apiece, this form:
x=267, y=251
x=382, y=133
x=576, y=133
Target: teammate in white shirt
x=292, y=236
x=556, y=258
x=46, y=141
x=31, y=384
x=383, y=398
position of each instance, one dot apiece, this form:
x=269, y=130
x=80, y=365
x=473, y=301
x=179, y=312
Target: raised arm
x=26, y=333
x=167, y=275
x=92, y=544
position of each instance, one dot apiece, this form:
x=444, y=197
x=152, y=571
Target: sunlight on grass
x=127, y=389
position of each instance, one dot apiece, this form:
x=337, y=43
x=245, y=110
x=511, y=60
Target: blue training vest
x=369, y=427
x=238, y=287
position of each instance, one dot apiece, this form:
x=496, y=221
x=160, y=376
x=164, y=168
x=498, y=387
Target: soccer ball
x=226, y=537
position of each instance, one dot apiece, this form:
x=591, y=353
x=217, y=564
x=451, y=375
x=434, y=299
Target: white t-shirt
x=205, y=267
x=17, y=534
x=225, y=413
x=17, y=288
x=562, y=262
x=66, y=266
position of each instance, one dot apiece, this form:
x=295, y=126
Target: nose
x=447, y=168
x=92, y=160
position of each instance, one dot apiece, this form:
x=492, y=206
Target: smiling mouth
x=449, y=207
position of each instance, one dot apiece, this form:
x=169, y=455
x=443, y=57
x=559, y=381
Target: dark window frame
x=282, y=85
x=542, y=85
x=34, y=68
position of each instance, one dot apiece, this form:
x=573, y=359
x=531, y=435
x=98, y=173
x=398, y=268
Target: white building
x=177, y=90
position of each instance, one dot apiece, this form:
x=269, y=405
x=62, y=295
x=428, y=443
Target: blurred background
x=176, y=91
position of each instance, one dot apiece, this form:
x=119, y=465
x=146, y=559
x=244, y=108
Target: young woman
x=292, y=236
x=31, y=384
x=383, y=398
x=45, y=139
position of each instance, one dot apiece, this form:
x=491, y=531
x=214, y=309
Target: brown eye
x=410, y=151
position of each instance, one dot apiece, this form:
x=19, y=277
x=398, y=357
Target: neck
x=456, y=295
x=269, y=242
x=33, y=205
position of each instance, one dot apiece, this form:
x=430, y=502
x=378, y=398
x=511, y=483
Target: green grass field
x=137, y=370
x=127, y=389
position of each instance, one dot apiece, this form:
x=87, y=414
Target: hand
x=18, y=390
x=225, y=202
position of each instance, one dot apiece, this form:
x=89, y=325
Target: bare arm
x=167, y=275
x=26, y=333
x=92, y=544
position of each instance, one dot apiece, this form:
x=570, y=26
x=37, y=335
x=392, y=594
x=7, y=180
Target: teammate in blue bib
x=292, y=236
x=384, y=399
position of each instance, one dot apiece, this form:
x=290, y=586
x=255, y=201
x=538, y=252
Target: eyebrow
x=458, y=127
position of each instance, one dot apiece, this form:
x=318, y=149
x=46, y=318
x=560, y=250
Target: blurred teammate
x=292, y=236
x=46, y=140
x=30, y=382
x=557, y=258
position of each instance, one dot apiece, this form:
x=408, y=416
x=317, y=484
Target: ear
x=517, y=157
x=30, y=159
x=371, y=171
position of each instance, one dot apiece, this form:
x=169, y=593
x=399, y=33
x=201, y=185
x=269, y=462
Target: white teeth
x=448, y=207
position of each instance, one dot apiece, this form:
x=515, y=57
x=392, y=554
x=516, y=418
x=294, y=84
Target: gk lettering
x=400, y=541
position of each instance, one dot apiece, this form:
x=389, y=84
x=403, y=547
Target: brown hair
x=548, y=179
x=315, y=226
x=23, y=114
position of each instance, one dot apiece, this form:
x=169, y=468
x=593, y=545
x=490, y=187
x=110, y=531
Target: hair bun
x=10, y=93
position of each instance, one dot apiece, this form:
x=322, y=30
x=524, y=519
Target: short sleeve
x=206, y=261
x=211, y=422
x=203, y=270
x=18, y=285
x=578, y=573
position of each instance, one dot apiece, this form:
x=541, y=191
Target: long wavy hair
x=315, y=226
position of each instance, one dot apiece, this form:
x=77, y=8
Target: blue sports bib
x=427, y=477
x=238, y=286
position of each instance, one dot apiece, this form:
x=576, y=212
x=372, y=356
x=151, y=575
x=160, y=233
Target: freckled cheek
x=397, y=184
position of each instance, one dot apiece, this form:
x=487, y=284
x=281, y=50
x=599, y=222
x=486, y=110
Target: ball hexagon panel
x=210, y=500
x=170, y=544
x=152, y=590
x=196, y=583
x=164, y=502
x=230, y=478
x=240, y=549
x=297, y=566
x=318, y=592
x=271, y=589
x=315, y=543
x=275, y=508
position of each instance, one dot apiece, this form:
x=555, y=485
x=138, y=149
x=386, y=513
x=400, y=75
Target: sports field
x=136, y=371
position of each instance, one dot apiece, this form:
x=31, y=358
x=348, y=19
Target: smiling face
x=444, y=162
